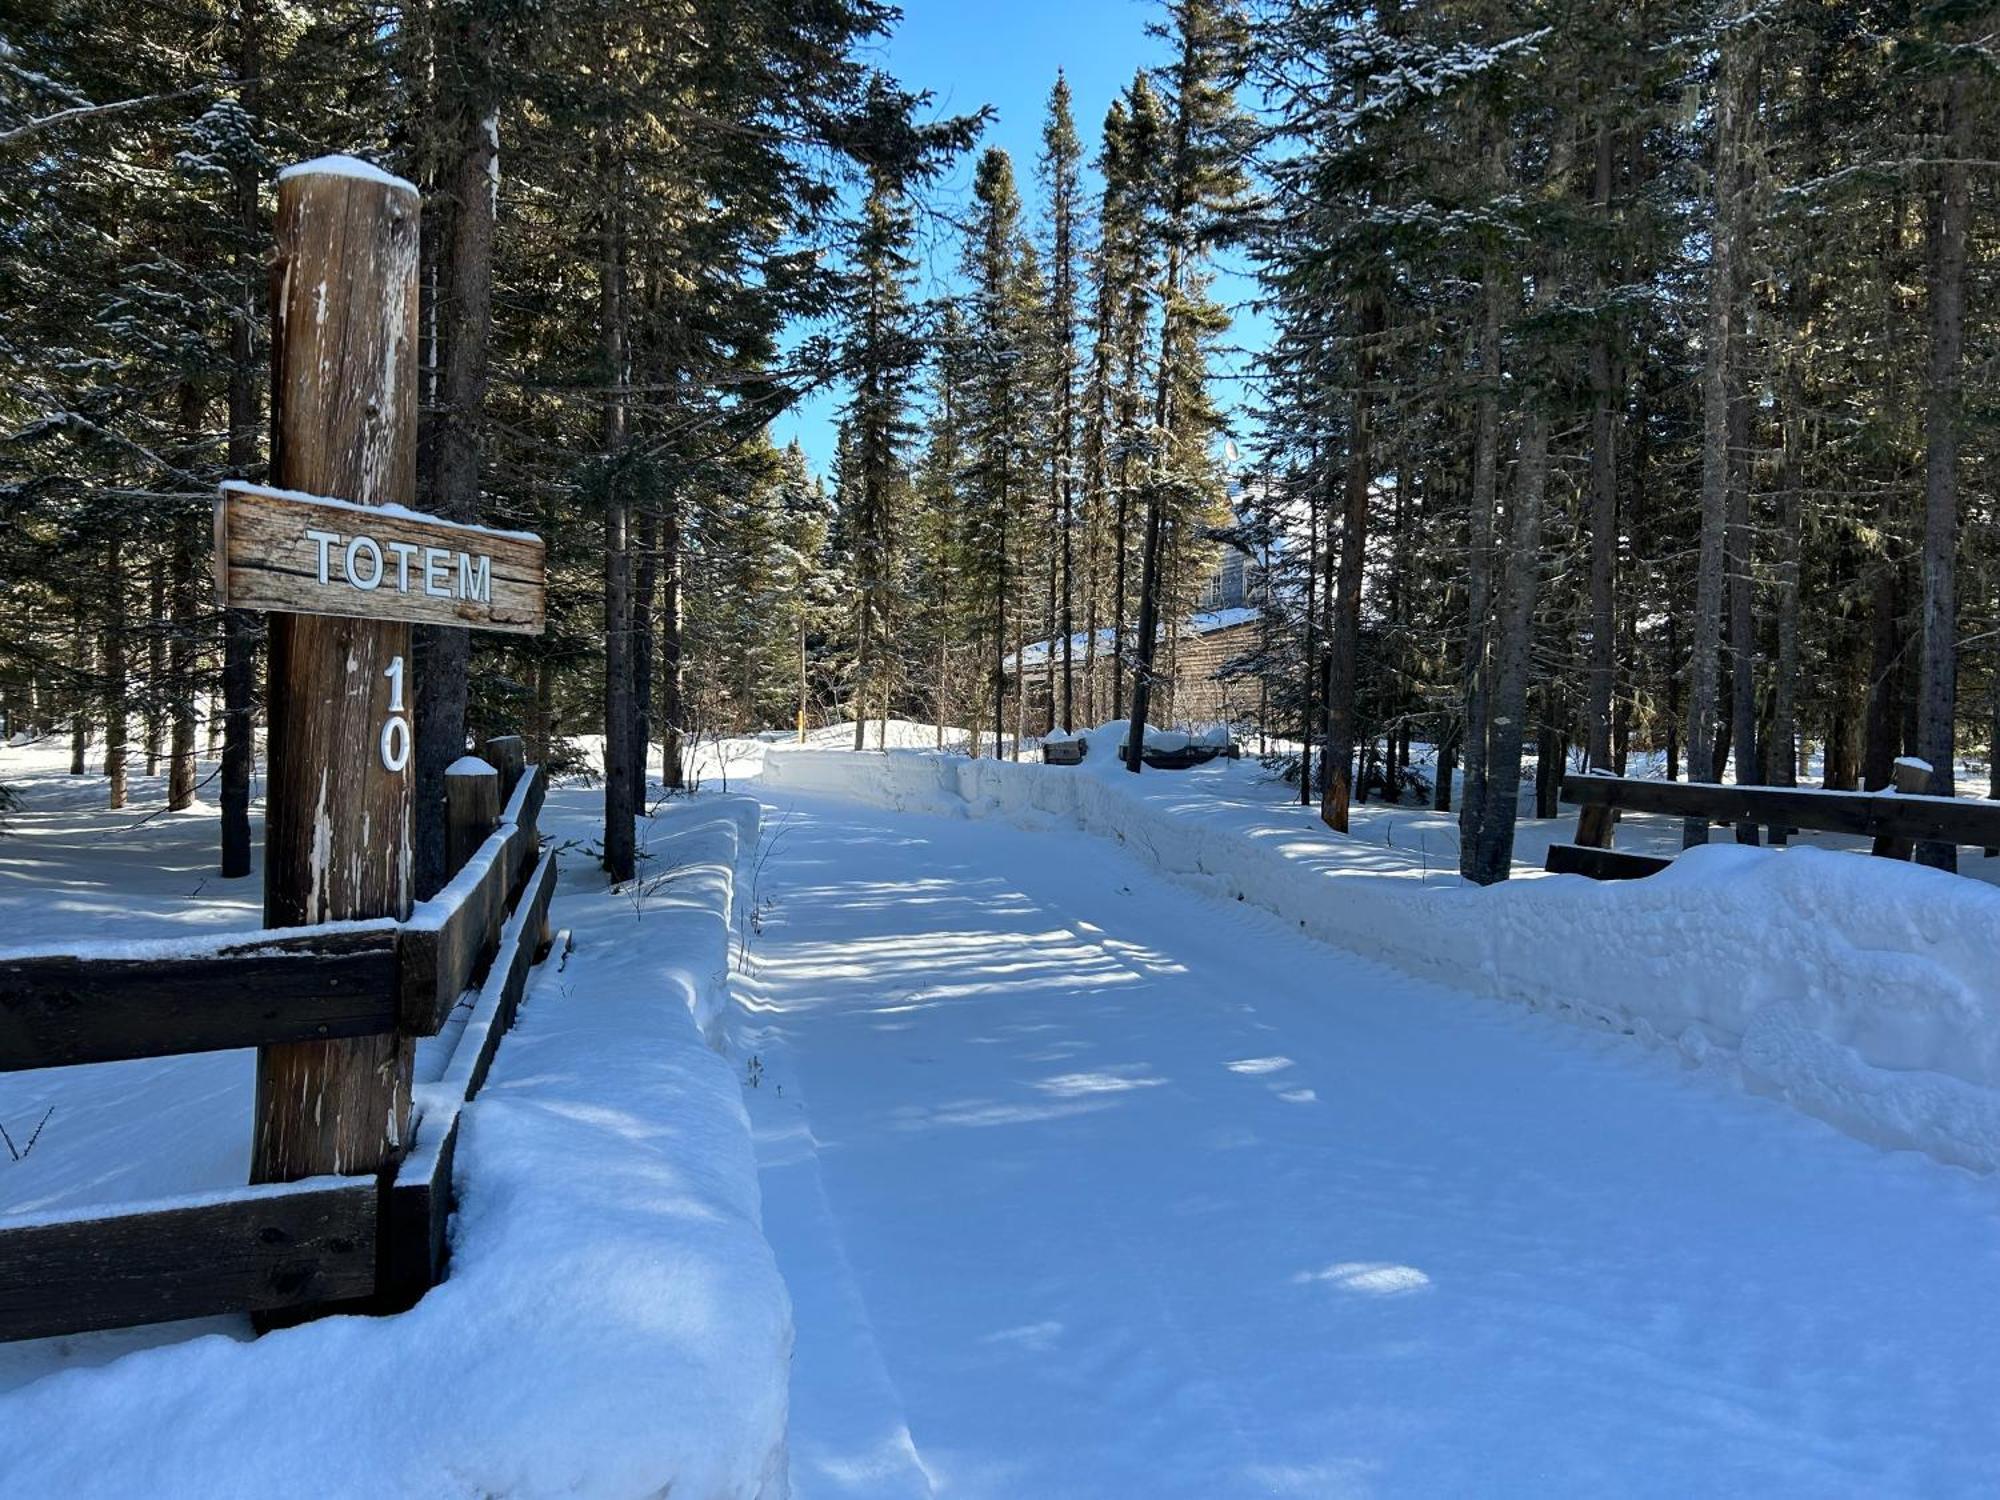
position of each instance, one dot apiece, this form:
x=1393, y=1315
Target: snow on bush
x=1864, y=991
x=614, y=1323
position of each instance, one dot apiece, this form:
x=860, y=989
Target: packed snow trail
x=1086, y=1185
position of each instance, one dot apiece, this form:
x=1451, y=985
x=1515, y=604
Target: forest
x=1632, y=384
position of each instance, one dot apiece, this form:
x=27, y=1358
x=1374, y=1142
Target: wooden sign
x=307, y=554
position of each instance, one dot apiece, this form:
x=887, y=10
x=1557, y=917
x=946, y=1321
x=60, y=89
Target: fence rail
x=1895, y=820
x=1900, y=815
x=277, y=1248
x=246, y=989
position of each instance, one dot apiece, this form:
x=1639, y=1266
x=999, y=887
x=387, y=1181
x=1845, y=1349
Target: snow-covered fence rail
x=157, y=1000
x=1896, y=821
x=269, y=1248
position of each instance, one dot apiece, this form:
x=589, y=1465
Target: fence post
x=1595, y=821
x=1912, y=778
x=337, y=833
x=509, y=754
x=471, y=809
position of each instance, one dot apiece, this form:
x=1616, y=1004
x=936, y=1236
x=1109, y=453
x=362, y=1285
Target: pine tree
x=1204, y=193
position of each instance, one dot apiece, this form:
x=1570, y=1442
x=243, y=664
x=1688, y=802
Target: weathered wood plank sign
x=308, y=554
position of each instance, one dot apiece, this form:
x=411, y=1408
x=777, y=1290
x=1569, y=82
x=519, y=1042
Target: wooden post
x=1596, y=821
x=337, y=832
x=509, y=754
x=1911, y=777
x=471, y=809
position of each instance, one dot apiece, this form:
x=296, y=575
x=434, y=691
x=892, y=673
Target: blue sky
x=968, y=53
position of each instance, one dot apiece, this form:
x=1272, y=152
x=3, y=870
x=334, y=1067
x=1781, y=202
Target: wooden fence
x=371, y=1241
x=1895, y=821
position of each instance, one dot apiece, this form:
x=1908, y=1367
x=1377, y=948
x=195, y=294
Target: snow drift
x=1863, y=991
x=614, y=1323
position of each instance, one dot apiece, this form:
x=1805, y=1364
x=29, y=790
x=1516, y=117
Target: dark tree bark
x=463, y=309
x=1937, y=684
x=621, y=792
x=114, y=674
x=646, y=587
x=155, y=711
x=1705, y=669
x=1343, y=666
x=1603, y=508
x=185, y=609
x=673, y=706
x=1494, y=857
x=240, y=628
x=1472, y=810
x=79, y=702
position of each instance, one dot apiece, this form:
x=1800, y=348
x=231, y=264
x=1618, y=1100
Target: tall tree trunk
x=155, y=724
x=1784, y=766
x=1705, y=669
x=181, y=671
x=184, y=607
x=1309, y=688
x=79, y=695
x=1881, y=731
x=1937, y=690
x=645, y=589
x=1345, y=644
x=114, y=675
x=241, y=628
x=1477, y=670
x=1603, y=506
x=1741, y=564
x=673, y=704
x=443, y=652
x=621, y=791
x=1494, y=858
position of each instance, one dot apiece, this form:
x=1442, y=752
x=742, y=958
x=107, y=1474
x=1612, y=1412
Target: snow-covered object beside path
x=614, y=1324
x=1864, y=991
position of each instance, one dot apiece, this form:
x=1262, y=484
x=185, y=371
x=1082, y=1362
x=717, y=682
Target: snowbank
x=614, y=1323
x=1863, y=991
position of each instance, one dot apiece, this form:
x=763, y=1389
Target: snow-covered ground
x=613, y=1324
x=1089, y=1184
x=1117, y=1135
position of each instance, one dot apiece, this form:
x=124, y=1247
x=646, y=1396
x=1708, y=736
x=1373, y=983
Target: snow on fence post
x=471, y=809
x=337, y=840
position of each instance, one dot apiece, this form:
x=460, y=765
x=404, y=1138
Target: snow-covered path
x=1086, y=1185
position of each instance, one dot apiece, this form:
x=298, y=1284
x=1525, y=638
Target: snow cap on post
x=347, y=166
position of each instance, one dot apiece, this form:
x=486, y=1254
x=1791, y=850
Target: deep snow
x=1086, y=1184
x=613, y=1324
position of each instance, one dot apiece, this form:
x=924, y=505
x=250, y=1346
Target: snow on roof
x=1202, y=622
x=1208, y=621
x=347, y=166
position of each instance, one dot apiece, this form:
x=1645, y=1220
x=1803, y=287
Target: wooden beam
x=506, y=981
x=417, y=1207
x=1951, y=820
x=416, y=1213
x=59, y=1010
x=446, y=943
x=1602, y=864
x=449, y=937
x=259, y=1250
